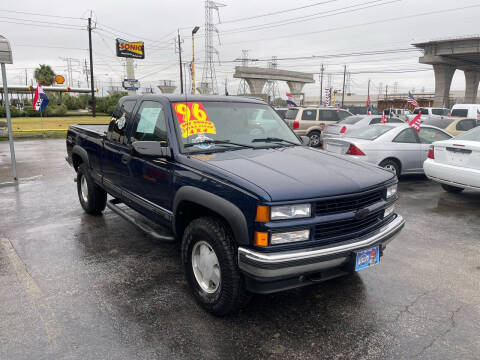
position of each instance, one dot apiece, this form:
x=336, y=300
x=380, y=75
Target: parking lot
x=75, y=286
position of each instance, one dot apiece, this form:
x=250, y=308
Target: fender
x=78, y=150
x=231, y=213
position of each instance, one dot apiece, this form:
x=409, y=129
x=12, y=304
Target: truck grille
x=348, y=203
x=337, y=231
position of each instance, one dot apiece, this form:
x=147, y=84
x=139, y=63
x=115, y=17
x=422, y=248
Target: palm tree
x=44, y=75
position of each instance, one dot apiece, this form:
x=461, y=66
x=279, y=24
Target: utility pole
x=321, y=83
x=91, y=65
x=368, y=92
x=386, y=92
x=343, y=90
x=180, y=62
x=194, y=31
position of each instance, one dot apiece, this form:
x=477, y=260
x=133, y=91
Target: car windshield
x=440, y=123
x=472, y=135
x=219, y=126
x=350, y=120
x=370, y=132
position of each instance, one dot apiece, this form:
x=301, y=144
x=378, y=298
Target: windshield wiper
x=219, y=142
x=274, y=139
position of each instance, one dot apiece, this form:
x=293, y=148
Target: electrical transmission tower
x=271, y=87
x=209, y=77
x=70, y=70
x=243, y=86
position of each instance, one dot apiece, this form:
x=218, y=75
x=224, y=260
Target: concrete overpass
x=256, y=78
x=446, y=56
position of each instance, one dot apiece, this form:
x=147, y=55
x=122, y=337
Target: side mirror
x=305, y=140
x=152, y=148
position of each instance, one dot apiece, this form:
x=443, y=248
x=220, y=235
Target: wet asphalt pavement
x=74, y=286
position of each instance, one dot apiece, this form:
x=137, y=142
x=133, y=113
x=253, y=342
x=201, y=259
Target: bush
x=31, y=113
x=72, y=103
x=14, y=112
x=60, y=110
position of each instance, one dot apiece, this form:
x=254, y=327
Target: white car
x=455, y=163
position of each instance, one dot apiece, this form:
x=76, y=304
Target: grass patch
x=50, y=127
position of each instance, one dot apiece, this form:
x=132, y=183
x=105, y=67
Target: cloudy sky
x=281, y=28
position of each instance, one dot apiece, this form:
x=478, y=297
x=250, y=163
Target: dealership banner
x=129, y=49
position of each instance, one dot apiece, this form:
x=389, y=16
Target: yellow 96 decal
x=193, y=119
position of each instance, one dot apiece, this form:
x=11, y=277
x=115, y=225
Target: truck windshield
x=214, y=125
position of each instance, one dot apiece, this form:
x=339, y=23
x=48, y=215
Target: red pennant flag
x=384, y=118
x=415, y=123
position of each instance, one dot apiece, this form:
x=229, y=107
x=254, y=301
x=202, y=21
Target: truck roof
x=192, y=98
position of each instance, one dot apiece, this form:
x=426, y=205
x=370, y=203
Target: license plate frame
x=367, y=258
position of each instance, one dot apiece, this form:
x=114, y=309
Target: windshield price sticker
x=193, y=119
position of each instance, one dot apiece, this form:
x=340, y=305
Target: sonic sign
x=128, y=49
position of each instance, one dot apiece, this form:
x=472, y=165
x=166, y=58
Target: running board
x=112, y=205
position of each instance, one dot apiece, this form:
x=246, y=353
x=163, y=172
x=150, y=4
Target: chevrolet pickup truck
x=253, y=208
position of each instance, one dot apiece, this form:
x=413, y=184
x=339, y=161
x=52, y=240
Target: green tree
x=44, y=75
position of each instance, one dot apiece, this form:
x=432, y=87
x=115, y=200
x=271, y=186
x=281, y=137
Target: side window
x=406, y=136
x=309, y=115
x=429, y=135
x=120, y=120
x=466, y=125
x=375, y=121
x=150, y=123
x=343, y=114
x=328, y=115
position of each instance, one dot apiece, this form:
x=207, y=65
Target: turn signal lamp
x=431, y=152
x=260, y=239
x=353, y=150
x=263, y=213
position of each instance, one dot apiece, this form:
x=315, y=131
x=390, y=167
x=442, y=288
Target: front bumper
x=271, y=272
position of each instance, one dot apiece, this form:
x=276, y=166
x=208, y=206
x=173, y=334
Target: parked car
x=453, y=125
x=343, y=127
x=397, y=112
x=455, y=163
x=429, y=113
x=466, y=110
x=311, y=121
x=253, y=213
x=395, y=147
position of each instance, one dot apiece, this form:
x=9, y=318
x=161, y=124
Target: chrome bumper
x=298, y=262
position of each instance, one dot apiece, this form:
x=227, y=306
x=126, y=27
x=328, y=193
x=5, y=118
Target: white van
x=466, y=110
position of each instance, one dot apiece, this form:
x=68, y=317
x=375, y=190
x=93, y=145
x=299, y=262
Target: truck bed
x=91, y=129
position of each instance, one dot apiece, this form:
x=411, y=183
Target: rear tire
x=92, y=197
x=314, y=139
x=391, y=165
x=452, y=189
x=210, y=263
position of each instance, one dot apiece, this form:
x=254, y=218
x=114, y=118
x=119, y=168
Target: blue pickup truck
x=254, y=208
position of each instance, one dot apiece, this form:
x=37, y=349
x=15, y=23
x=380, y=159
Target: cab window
x=429, y=135
x=309, y=115
x=150, y=123
x=120, y=119
x=408, y=136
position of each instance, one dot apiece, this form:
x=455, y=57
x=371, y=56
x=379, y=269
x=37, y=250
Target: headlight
x=288, y=237
x=290, y=211
x=391, y=190
x=388, y=211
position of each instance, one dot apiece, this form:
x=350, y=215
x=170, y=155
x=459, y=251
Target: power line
x=278, y=12
x=72, y=27
x=38, y=14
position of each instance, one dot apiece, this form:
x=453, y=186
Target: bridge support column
x=255, y=85
x=472, y=79
x=296, y=90
x=443, y=80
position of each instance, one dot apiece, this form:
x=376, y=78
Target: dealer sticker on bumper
x=367, y=258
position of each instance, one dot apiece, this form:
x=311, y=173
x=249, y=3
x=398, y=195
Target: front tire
x=314, y=139
x=452, y=189
x=391, y=165
x=209, y=260
x=92, y=197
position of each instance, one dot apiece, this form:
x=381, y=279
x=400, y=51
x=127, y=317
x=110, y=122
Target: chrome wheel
x=84, y=188
x=206, y=267
x=314, y=140
x=391, y=168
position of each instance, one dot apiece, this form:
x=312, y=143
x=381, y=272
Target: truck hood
x=295, y=173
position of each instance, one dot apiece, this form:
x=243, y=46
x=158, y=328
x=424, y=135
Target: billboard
x=131, y=84
x=129, y=49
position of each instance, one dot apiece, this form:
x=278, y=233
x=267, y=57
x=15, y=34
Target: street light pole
x=194, y=31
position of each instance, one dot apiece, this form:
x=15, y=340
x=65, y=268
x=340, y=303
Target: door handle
x=125, y=159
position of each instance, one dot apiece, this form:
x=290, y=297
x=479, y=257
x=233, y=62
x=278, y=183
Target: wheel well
x=76, y=161
x=399, y=164
x=188, y=211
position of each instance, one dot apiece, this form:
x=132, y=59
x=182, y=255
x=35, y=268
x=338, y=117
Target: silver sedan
x=343, y=127
x=395, y=147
